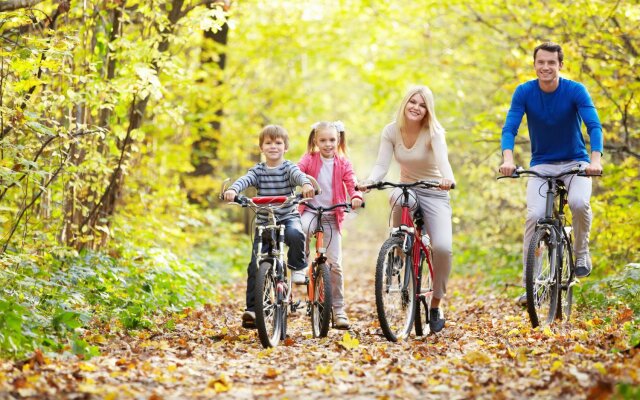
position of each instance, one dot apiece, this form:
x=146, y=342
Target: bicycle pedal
x=295, y=306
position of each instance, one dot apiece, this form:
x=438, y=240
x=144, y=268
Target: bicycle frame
x=275, y=252
x=413, y=235
x=321, y=250
x=272, y=247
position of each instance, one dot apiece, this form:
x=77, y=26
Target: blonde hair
x=338, y=126
x=430, y=121
x=274, y=132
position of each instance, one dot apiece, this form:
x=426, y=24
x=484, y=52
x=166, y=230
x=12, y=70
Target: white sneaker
x=299, y=277
x=340, y=321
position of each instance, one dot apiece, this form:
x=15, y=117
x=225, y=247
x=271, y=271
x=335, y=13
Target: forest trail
x=487, y=350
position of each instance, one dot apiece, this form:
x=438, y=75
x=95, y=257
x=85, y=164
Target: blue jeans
x=296, y=259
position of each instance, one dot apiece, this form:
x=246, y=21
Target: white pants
x=436, y=213
x=579, y=194
x=333, y=243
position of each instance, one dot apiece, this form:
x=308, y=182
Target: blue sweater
x=554, y=121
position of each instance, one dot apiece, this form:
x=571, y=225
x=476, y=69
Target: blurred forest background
x=120, y=118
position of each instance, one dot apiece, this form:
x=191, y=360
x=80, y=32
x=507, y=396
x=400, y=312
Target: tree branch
x=33, y=201
x=624, y=149
x=12, y=5
x=38, y=153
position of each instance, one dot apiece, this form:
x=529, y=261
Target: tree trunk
x=204, y=150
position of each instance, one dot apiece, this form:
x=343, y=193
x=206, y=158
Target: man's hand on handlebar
x=594, y=168
x=507, y=168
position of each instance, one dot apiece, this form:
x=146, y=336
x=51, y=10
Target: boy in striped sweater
x=275, y=177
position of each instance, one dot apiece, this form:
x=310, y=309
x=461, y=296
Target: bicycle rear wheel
x=395, y=290
x=321, y=303
x=565, y=294
x=541, y=278
x=425, y=293
x=268, y=308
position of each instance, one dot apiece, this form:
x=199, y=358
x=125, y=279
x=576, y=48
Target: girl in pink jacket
x=325, y=160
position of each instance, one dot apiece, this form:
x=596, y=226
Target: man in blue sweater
x=555, y=108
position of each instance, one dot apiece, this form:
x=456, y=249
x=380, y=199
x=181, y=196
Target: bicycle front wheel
x=541, y=278
x=395, y=290
x=321, y=302
x=425, y=294
x=268, y=308
x=565, y=294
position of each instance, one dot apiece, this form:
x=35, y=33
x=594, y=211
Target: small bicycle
x=399, y=286
x=318, y=291
x=550, y=267
x=273, y=287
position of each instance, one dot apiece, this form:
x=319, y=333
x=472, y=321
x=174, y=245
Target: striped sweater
x=273, y=181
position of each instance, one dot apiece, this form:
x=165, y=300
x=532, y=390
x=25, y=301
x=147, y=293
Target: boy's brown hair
x=274, y=132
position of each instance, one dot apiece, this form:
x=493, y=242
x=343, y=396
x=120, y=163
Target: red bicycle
x=400, y=288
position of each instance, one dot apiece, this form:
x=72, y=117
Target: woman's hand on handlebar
x=447, y=184
x=230, y=195
x=362, y=186
x=356, y=202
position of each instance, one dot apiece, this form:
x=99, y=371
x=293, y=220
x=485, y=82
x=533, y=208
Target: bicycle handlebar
x=519, y=171
x=346, y=206
x=261, y=201
x=423, y=184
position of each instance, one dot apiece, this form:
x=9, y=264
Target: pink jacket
x=344, y=179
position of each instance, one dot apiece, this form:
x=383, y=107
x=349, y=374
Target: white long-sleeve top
x=427, y=159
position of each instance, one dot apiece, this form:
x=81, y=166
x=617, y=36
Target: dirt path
x=487, y=350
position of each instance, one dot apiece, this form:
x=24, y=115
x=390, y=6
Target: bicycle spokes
x=395, y=290
x=321, y=302
x=541, y=278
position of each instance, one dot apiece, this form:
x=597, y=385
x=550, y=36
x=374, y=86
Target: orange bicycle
x=319, y=282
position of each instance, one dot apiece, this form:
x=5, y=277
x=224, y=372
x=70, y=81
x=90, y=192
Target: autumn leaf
x=271, y=373
x=220, y=384
x=348, y=342
x=476, y=357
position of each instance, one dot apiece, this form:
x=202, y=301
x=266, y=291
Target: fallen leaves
x=485, y=351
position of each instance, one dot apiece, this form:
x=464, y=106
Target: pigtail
x=342, y=137
x=311, y=145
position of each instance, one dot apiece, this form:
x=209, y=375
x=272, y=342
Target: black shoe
x=583, y=266
x=435, y=322
x=249, y=320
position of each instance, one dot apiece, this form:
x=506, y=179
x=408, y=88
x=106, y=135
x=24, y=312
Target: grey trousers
x=436, y=212
x=579, y=188
x=333, y=243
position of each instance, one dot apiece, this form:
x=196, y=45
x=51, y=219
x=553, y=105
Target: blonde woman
x=417, y=142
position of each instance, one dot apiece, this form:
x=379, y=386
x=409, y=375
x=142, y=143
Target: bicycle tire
x=542, y=283
x=395, y=290
x=321, y=305
x=426, y=294
x=268, y=308
x=565, y=296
